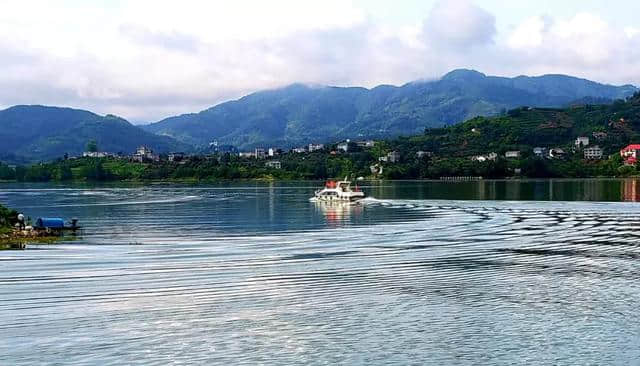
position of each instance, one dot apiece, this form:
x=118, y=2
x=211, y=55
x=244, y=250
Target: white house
x=315, y=147
x=582, y=141
x=556, y=153
x=539, y=152
x=479, y=158
x=393, y=157
x=366, y=143
x=344, y=146
x=376, y=169
x=275, y=164
x=96, y=154
x=515, y=154
x=421, y=154
x=482, y=158
x=175, y=156
x=143, y=153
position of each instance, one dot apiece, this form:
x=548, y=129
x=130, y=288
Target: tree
x=92, y=146
x=94, y=171
x=8, y=217
x=64, y=173
x=6, y=173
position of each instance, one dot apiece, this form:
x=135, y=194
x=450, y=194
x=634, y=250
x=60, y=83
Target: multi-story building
x=144, y=154
x=260, y=153
x=593, y=153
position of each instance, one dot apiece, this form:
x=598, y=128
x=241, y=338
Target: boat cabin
x=343, y=185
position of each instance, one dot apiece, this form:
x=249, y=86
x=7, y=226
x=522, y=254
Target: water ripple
x=250, y=275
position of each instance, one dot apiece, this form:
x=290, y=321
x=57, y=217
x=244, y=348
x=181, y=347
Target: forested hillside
x=300, y=113
x=39, y=133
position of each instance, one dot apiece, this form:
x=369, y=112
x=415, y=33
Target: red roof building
x=630, y=154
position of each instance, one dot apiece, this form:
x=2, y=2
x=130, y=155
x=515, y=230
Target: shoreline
x=18, y=239
x=367, y=179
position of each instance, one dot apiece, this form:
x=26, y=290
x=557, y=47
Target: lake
x=489, y=272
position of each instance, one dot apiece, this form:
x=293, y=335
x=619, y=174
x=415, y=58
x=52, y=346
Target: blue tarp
x=49, y=222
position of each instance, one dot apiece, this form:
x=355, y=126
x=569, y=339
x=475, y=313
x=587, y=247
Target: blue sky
x=145, y=60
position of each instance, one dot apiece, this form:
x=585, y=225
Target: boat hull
x=336, y=199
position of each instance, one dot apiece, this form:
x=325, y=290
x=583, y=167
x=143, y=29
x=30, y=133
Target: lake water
x=520, y=272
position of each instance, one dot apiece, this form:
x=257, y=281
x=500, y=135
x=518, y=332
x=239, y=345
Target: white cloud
x=146, y=59
x=528, y=34
x=631, y=31
x=584, y=45
x=459, y=23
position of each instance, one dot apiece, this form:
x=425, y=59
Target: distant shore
x=309, y=167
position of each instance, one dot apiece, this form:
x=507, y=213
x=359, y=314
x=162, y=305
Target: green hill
x=616, y=125
x=36, y=133
x=299, y=113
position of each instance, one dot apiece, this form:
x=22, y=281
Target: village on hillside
x=586, y=148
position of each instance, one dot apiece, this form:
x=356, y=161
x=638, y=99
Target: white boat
x=340, y=191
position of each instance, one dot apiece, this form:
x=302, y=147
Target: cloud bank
x=145, y=60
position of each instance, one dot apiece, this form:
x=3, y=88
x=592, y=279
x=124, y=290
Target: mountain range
x=297, y=114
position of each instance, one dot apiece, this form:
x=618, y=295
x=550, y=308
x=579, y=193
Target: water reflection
x=339, y=213
x=630, y=190
x=613, y=190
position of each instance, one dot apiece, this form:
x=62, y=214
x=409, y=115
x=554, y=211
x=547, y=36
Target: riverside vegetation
x=450, y=149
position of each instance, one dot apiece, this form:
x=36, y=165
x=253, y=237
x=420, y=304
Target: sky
x=145, y=60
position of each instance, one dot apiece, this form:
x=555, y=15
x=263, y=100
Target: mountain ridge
x=286, y=115
x=297, y=114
